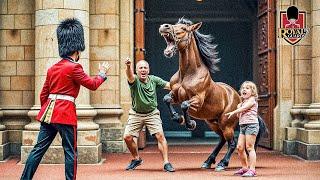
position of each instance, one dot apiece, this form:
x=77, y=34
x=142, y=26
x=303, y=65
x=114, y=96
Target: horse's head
x=177, y=36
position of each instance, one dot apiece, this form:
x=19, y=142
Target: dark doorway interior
x=232, y=24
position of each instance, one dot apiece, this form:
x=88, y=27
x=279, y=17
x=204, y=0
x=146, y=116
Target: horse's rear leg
x=232, y=144
x=167, y=99
x=212, y=158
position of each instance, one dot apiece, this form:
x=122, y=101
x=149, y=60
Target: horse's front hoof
x=219, y=168
x=181, y=120
x=178, y=118
x=192, y=125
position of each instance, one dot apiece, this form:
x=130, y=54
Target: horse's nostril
x=165, y=25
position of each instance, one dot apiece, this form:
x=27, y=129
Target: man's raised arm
x=129, y=70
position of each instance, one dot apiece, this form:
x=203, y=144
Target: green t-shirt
x=144, y=95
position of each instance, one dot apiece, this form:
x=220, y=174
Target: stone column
x=4, y=147
x=302, y=71
x=48, y=14
x=105, y=45
x=314, y=109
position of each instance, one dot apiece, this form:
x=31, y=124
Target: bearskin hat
x=292, y=12
x=70, y=37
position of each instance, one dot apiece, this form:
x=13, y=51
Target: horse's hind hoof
x=192, y=125
x=207, y=164
x=219, y=168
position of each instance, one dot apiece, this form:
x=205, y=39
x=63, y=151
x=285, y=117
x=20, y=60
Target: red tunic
x=65, y=77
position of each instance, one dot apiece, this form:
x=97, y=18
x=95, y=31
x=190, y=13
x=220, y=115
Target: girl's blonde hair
x=253, y=87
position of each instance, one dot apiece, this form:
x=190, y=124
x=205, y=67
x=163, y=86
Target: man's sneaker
x=168, y=167
x=240, y=172
x=134, y=163
x=249, y=173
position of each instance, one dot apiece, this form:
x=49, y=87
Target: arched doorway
x=243, y=45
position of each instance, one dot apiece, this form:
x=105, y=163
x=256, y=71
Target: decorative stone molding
x=314, y=117
x=4, y=148
x=111, y=127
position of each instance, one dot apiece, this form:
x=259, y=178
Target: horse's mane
x=207, y=49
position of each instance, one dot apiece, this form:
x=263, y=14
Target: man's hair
x=252, y=86
x=70, y=37
x=140, y=61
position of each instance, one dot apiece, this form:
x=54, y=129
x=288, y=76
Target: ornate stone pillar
x=314, y=109
x=48, y=14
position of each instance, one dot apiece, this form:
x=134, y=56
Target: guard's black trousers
x=46, y=135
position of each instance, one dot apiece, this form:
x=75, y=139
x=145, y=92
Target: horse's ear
x=195, y=27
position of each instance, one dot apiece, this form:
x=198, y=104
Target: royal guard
x=292, y=16
x=61, y=88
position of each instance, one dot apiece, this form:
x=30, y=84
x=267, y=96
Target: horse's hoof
x=181, y=120
x=219, y=168
x=192, y=125
x=178, y=118
x=206, y=165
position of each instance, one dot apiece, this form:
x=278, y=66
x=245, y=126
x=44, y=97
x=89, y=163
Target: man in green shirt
x=144, y=111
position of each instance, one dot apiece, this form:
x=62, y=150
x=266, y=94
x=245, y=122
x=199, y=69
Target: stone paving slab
x=186, y=159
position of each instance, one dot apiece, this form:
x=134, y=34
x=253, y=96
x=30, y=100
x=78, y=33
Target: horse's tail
x=263, y=129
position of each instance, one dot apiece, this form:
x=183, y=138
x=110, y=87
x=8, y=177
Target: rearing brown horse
x=193, y=88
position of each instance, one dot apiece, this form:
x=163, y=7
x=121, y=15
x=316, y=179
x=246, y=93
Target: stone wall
x=105, y=46
x=28, y=46
x=17, y=40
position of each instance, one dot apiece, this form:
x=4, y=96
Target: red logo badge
x=293, y=25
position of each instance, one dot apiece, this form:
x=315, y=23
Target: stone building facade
x=28, y=46
x=298, y=79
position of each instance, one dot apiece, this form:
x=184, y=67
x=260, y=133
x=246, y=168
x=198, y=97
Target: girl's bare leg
x=250, y=140
x=241, y=151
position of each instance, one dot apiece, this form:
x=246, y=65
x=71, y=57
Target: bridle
x=177, y=40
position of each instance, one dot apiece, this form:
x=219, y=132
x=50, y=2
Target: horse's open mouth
x=170, y=49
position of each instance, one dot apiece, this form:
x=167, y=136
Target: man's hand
x=104, y=67
x=128, y=61
x=129, y=70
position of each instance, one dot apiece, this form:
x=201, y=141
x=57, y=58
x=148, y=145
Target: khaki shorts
x=136, y=121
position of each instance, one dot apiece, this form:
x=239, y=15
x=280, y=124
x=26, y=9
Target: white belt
x=61, y=96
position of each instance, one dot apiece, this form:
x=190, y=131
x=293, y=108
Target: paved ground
x=186, y=160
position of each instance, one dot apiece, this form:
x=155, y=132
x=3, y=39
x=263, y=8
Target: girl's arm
x=247, y=105
x=239, y=105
